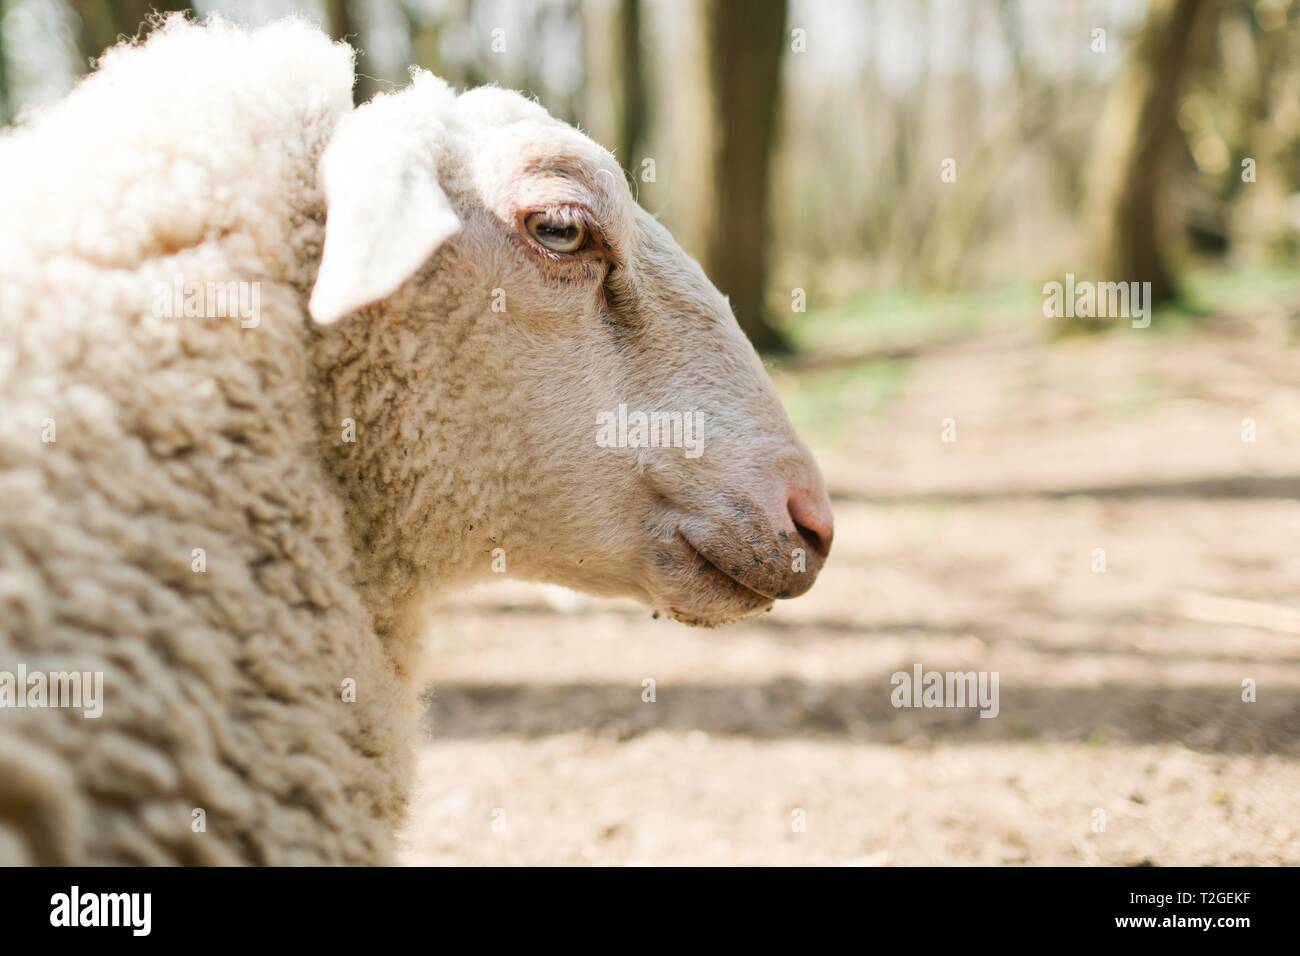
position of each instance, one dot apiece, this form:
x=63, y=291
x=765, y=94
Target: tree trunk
x=104, y=22
x=130, y=14
x=343, y=23
x=1128, y=231
x=5, y=108
x=632, y=86
x=745, y=40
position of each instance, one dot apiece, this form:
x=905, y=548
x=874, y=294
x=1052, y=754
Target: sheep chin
x=694, y=617
x=707, y=601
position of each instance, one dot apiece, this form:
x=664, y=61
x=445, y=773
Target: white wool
x=225, y=736
x=240, y=525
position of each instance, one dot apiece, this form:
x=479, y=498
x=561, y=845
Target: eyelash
x=596, y=250
x=594, y=246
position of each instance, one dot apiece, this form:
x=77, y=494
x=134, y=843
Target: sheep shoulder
x=171, y=528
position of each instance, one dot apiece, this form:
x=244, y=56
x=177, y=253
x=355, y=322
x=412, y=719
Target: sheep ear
x=385, y=215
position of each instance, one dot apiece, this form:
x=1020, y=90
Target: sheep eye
x=556, y=235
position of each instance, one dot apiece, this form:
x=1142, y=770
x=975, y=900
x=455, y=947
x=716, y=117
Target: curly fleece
x=241, y=528
x=228, y=734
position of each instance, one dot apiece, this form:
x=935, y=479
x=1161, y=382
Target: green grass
x=1220, y=290
x=1212, y=290
x=826, y=403
x=905, y=317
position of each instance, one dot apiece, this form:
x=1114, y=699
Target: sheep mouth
x=730, y=581
x=712, y=596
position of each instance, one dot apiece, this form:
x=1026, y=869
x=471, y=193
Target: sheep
x=275, y=373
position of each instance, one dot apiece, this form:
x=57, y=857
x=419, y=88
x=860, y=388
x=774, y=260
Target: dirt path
x=775, y=741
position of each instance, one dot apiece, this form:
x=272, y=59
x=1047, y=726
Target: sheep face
x=538, y=367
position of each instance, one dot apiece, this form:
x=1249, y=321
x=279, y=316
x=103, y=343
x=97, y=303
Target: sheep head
x=541, y=381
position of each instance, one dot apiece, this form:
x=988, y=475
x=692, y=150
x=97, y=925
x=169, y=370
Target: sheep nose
x=811, y=514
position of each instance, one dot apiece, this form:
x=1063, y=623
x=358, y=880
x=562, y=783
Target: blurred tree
x=4, y=82
x=744, y=40
x=1035, y=121
x=1240, y=113
x=570, y=101
x=1129, y=194
x=632, y=86
x=425, y=31
x=129, y=14
x=343, y=21
x=96, y=29
x=102, y=22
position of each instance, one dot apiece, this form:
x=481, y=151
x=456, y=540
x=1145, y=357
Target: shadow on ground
x=1202, y=718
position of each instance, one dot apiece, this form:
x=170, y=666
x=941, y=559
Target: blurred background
x=1105, y=515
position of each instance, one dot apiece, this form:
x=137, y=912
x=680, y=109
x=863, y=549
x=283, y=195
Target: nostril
x=812, y=519
x=813, y=539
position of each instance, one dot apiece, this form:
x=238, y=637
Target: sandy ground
x=1122, y=736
